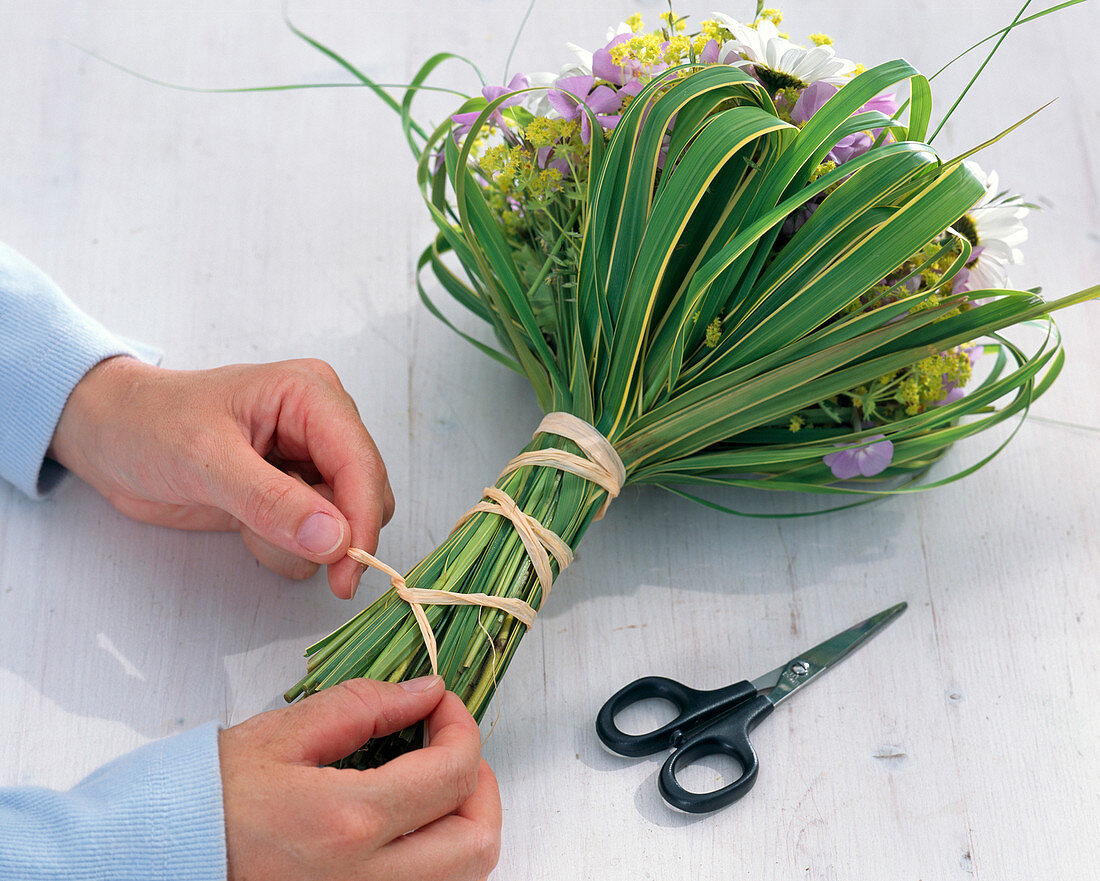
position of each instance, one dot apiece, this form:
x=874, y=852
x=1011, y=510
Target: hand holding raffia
x=730, y=258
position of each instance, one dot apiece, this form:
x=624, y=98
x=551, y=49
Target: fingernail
x=360, y=571
x=421, y=684
x=321, y=534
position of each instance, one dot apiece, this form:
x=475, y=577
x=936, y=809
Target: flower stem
x=475, y=644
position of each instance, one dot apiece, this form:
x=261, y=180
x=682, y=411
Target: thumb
x=283, y=510
x=337, y=721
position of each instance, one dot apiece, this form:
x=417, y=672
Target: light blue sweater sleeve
x=152, y=815
x=46, y=346
x=155, y=814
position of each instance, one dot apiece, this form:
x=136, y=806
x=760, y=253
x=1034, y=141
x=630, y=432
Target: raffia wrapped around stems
x=437, y=619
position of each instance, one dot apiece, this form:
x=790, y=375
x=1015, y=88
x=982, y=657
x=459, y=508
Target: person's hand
x=277, y=451
x=432, y=813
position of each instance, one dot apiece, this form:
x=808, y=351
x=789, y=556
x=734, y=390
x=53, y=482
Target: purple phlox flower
x=574, y=91
x=886, y=104
x=954, y=392
x=465, y=121
x=868, y=460
x=606, y=69
x=960, y=284
x=729, y=55
x=631, y=75
x=850, y=146
x=709, y=55
x=797, y=219
x=813, y=98
x=546, y=158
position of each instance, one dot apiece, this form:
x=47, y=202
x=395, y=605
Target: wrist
x=96, y=401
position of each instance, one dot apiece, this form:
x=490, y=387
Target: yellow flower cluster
x=652, y=49
x=643, y=48
x=714, y=333
x=931, y=277
x=545, y=132
x=649, y=49
x=823, y=169
x=924, y=383
x=515, y=171
x=673, y=22
x=713, y=30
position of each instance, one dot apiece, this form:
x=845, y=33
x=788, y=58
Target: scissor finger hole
x=646, y=715
x=709, y=773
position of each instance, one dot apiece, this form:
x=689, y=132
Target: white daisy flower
x=583, y=65
x=778, y=62
x=995, y=229
x=537, y=101
x=623, y=27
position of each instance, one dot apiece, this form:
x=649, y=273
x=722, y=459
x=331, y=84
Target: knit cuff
x=48, y=345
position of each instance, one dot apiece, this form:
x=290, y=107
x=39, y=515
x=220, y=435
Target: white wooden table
x=963, y=742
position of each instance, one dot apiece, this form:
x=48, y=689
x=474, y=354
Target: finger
x=319, y=423
x=343, y=576
x=336, y=721
x=389, y=504
x=462, y=845
x=423, y=785
x=202, y=518
x=276, y=559
x=281, y=510
x=483, y=807
x=307, y=471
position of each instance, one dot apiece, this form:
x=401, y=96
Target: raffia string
x=418, y=597
x=602, y=467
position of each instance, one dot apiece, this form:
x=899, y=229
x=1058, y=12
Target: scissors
x=718, y=722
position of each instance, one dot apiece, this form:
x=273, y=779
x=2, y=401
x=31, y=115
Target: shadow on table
x=157, y=629
x=652, y=537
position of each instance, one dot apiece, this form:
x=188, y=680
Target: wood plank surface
x=962, y=743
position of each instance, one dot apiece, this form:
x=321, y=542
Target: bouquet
x=721, y=259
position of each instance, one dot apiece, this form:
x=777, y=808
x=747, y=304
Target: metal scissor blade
x=802, y=669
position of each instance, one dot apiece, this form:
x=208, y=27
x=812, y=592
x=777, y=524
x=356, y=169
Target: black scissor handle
x=693, y=707
x=727, y=735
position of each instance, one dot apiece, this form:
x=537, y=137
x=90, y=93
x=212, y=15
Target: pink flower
x=867, y=460
x=465, y=121
x=814, y=97
x=575, y=92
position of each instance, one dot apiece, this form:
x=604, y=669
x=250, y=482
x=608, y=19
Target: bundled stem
x=484, y=554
